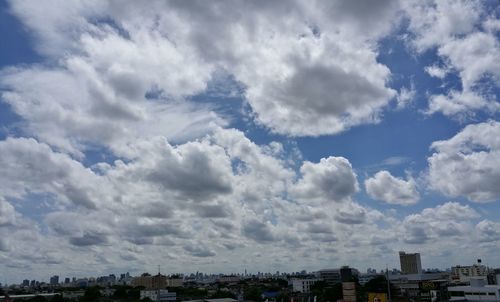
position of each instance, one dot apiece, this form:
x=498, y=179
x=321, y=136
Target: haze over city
x=219, y=136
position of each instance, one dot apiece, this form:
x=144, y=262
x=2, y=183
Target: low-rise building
x=476, y=291
x=365, y=278
x=465, y=273
x=423, y=287
x=337, y=275
x=175, y=282
x=73, y=295
x=143, y=280
x=303, y=285
x=228, y=279
x=158, y=295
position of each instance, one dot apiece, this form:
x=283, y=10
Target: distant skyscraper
x=410, y=263
x=54, y=280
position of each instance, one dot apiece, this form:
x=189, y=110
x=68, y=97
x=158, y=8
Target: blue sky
x=216, y=136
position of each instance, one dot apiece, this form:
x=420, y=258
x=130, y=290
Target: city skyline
x=218, y=136
x=64, y=278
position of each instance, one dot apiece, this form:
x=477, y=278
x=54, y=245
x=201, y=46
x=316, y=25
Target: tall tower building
x=410, y=263
x=54, y=280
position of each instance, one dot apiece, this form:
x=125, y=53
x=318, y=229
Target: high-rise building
x=410, y=263
x=54, y=280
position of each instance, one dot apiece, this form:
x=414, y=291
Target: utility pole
x=158, y=285
x=388, y=285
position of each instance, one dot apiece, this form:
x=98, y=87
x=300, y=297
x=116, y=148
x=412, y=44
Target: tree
x=376, y=285
x=282, y=283
x=253, y=293
x=222, y=294
x=135, y=293
x=319, y=286
x=120, y=292
x=333, y=293
x=92, y=294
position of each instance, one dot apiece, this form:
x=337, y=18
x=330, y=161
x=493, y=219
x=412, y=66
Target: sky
x=219, y=136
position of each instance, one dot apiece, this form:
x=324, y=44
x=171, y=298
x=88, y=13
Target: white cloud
x=393, y=190
x=437, y=22
x=463, y=34
x=488, y=231
x=467, y=164
x=80, y=105
x=317, y=88
x=330, y=180
x=32, y=167
x=405, y=97
x=323, y=69
x=259, y=231
x=194, y=170
x=7, y=213
x=448, y=220
x=436, y=71
x=460, y=104
x=351, y=213
x=475, y=56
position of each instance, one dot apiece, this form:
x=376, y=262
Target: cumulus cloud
x=460, y=104
x=463, y=34
x=334, y=82
x=436, y=71
x=258, y=231
x=488, y=231
x=444, y=221
x=198, y=250
x=330, y=180
x=440, y=21
x=196, y=170
x=467, y=164
x=33, y=167
x=88, y=239
x=351, y=213
x=98, y=114
x=385, y=187
x=7, y=213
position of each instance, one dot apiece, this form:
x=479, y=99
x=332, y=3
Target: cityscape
x=250, y=150
x=475, y=282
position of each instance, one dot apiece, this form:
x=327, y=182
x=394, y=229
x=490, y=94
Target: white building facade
x=477, y=291
x=466, y=273
x=303, y=285
x=158, y=295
